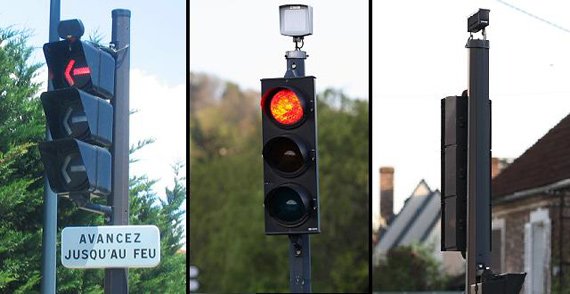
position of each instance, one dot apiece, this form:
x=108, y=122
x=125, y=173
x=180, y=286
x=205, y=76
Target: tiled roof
x=546, y=162
x=414, y=221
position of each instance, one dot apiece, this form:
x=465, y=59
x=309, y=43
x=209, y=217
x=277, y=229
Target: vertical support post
x=478, y=162
x=116, y=279
x=299, y=247
x=295, y=63
x=300, y=263
x=49, y=232
x=561, y=241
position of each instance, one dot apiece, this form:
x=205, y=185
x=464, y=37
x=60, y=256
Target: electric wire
x=535, y=16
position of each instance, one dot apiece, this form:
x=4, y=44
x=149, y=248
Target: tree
x=169, y=276
x=21, y=127
x=409, y=268
x=343, y=134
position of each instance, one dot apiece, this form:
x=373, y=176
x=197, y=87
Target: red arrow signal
x=76, y=72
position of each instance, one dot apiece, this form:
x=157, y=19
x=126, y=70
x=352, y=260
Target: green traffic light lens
x=288, y=206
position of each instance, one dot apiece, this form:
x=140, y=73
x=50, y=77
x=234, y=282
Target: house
x=419, y=221
x=530, y=214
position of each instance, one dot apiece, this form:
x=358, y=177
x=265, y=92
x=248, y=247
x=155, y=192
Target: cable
x=534, y=16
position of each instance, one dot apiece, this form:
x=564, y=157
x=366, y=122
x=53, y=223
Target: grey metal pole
x=49, y=232
x=300, y=263
x=299, y=246
x=116, y=279
x=478, y=162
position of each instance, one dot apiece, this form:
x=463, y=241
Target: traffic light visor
x=285, y=107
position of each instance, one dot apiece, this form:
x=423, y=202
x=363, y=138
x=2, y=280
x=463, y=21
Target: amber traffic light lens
x=284, y=154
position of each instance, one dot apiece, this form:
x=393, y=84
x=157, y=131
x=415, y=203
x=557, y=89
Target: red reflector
x=81, y=71
x=286, y=107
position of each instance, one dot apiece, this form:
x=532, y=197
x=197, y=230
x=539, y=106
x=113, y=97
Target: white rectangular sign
x=110, y=246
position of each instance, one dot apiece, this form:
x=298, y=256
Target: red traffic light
x=289, y=138
x=285, y=107
x=81, y=65
x=71, y=71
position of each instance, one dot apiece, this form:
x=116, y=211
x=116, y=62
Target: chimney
x=495, y=167
x=386, y=193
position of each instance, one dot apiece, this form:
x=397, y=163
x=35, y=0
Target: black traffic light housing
x=507, y=283
x=74, y=167
x=454, y=173
x=80, y=64
x=71, y=112
x=79, y=117
x=290, y=155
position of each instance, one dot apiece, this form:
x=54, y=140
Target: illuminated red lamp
x=69, y=71
x=286, y=108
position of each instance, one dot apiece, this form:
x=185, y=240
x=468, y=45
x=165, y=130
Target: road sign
x=110, y=246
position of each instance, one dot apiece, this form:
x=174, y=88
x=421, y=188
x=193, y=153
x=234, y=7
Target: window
x=537, y=252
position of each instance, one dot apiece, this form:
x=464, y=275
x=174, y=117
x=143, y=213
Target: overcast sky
x=420, y=57
x=240, y=41
x=158, y=69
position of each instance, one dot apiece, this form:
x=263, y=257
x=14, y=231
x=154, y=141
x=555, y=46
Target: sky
x=419, y=57
x=240, y=41
x=158, y=69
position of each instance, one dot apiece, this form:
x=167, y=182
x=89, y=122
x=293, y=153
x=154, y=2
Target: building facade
x=531, y=214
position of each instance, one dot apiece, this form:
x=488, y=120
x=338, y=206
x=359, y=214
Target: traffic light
x=454, y=173
x=76, y=168
x=79, y=64
x=290, y=171
x=79, y=118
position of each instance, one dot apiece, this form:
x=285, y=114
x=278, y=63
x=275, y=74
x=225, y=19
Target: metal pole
x=561, y=259
x=49, y=232
x=478, y=162
x=116, y=279
x=299, y=246
x=300, y=263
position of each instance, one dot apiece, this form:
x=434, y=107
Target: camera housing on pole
x=478, y=21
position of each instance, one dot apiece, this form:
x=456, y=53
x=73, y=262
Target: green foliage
x=169, y=276
x=22, y=126
x=343, y=134
x=557, y=287
x=403, y=262
x=228, y=243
